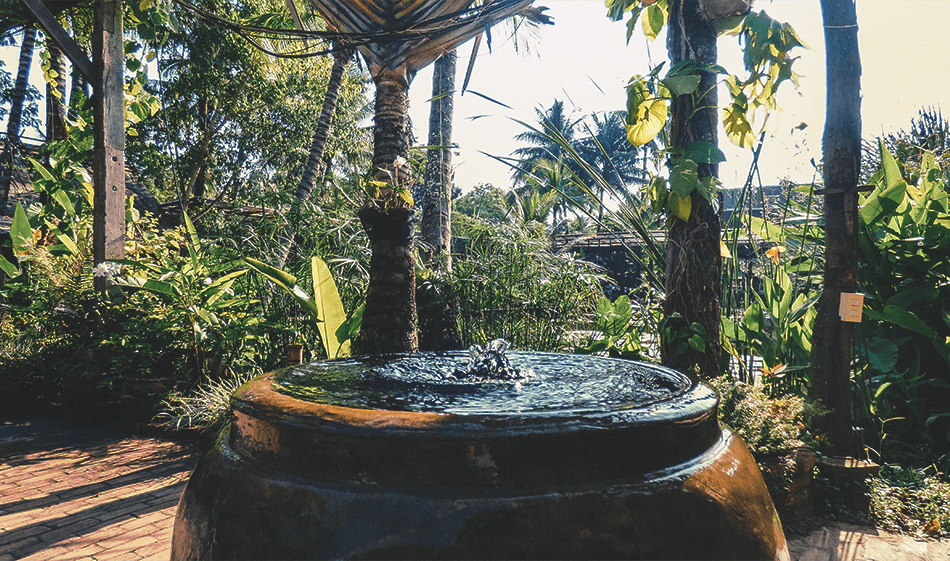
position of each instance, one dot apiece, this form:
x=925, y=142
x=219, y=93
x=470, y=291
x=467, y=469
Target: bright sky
x=584, y=60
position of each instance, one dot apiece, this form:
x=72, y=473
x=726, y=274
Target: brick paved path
x=68, y=492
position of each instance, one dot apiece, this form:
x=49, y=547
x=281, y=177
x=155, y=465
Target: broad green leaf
x=21, y=233
x=882, y=354
x=44, y=173
x=766, y=230
x=903, y=318
x=684, y=177
x=351, y=327
x=62, y=199
x=682, y=85
x=329, y=307
x=614, y=317
x=66, y=241
x=703, y=152
x=283, y=279
x=193, y=239
x=289, y=283
x=707, y=187
x=228, y=278
x=648, y=121
x=753, y=319
x=892, y=170
x=697, y=343
x=653, y=21
x=678, y=206
x=158, y=287
x=736, y=123
x=882, y=202
x=8, y=268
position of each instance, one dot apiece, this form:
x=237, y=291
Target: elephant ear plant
x=324, y=307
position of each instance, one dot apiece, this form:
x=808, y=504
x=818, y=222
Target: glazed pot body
x=295, y=479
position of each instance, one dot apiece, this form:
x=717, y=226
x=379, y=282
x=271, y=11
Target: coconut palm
x=19, y=98
x=317, y=147
x=607, y=150
x=555, y=123
x=399, y=38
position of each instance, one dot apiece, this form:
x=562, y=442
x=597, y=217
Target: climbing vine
x=766, y=45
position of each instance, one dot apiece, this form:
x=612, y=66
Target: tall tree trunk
x=436, y=204
x=693, y=258
x=16, y=113
x=55, y=95
x=438, y=323
x=389, y=320
x=833, y=340
x=317, y=149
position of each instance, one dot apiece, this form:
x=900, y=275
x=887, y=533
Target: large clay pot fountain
x=395, y=457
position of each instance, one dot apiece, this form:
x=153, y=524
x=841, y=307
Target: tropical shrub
x=511, y=285
x=623, y=329
x=910, y=500
x=768, y=424
x=904, y=342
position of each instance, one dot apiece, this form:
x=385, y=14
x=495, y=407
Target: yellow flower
x=775, y=253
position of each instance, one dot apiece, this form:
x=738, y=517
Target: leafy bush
x=904, y=342
x=767, y=424
x=621, y=329
x=909, y=500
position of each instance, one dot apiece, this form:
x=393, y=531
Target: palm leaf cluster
x=581, y=161
x=416, y=31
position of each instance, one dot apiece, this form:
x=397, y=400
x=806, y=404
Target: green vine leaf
x=703, y=152
x=737, y=125
x=684, y=177
x=646, y=113
x=682, y=85
x=653, y=20
x=679, y=206
x=707, y=187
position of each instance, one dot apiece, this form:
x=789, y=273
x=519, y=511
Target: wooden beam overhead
x=70, y=47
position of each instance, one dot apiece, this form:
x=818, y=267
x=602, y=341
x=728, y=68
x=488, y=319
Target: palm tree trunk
x=833, y=340
x=317, y=149
x=340, y=60
x=693, y=258
x=389, y=320
x=438, y=323
x=16, y=113
x=436, y=207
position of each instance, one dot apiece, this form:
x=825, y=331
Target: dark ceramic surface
x=296, y=479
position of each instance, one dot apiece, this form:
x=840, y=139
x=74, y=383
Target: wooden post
x=833, y=339
x=109, y=121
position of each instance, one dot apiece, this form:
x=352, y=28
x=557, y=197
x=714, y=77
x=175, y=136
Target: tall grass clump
x=511, y=284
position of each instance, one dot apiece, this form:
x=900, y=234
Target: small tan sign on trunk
x=851, y=307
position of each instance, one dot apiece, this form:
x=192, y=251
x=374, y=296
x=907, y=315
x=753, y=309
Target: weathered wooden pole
x=833, y=340
x=109, y=122
x=105, y=73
